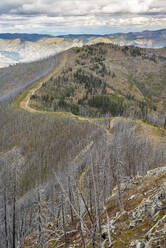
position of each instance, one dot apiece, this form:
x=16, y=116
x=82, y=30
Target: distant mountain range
x=15, y=48
x=24, y=37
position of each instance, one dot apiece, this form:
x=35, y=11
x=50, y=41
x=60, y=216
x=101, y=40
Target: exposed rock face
x=137, y=244
x=144, y=226
x=141, y=225
x=156, y=171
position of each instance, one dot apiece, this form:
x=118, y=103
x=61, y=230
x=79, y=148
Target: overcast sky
x=81, y=16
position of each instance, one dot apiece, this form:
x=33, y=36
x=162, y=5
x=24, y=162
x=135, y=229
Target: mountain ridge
x=36, y=36
x=23, y=36
x=22, y=48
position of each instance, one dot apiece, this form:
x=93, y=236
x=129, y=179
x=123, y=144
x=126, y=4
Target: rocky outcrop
x=144, y=226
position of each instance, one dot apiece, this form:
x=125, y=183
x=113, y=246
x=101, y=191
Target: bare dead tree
x=63, y=219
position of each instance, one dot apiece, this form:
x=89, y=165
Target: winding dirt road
x=24, y=104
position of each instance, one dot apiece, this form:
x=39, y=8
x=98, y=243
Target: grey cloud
x=72, y=7
x=49, y=14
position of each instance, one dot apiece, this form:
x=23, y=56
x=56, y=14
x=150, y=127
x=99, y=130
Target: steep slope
x=38, y=148
x=142, y=224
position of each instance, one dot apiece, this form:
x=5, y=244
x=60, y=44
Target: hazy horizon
x=81, y=17
x=90, y=33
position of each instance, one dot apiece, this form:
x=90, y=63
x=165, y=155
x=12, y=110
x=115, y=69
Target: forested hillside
x=108, y=80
